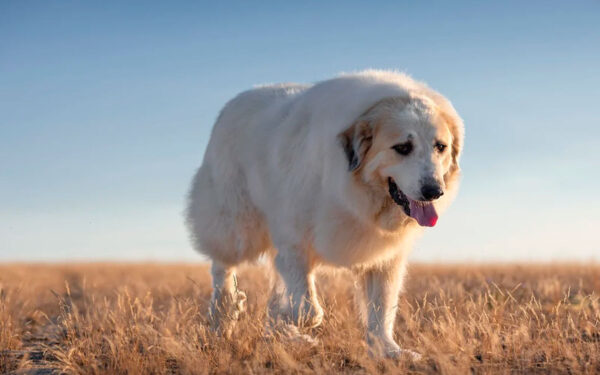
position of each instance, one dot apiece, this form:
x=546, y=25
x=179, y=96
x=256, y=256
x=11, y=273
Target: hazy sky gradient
x=106, y=108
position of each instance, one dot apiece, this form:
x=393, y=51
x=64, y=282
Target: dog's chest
x=344, y=241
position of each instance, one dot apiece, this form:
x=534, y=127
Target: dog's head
x=407, y=148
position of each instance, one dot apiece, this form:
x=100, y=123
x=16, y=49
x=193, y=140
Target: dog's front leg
x=378, y=289
x=298, y=301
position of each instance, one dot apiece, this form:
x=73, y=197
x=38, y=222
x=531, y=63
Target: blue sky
x=106, y=108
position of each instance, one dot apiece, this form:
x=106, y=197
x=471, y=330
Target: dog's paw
x=385, y=347
x=404, y=354
x=289, y=333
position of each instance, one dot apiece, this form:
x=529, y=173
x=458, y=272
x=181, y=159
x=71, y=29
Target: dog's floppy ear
x=356, y=141
x=456, y=150
x=456, y=128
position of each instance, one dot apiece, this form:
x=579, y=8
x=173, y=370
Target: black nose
x=431, y=192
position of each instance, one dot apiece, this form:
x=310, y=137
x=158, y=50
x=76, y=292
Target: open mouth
x=423, y=212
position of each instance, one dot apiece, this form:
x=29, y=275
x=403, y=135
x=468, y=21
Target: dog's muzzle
x=423, y=212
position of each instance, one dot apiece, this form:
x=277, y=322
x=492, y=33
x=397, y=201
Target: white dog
x=345, y=172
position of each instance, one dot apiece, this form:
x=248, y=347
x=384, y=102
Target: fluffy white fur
x=276, y=180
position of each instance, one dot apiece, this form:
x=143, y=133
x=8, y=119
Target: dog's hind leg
x=227, y=301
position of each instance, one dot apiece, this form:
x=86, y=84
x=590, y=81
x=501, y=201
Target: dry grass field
x=150, y=319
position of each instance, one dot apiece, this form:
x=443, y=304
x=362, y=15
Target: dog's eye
x=440, y=146
x=403, y=148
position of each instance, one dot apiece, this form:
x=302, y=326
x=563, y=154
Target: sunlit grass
x=142, y=319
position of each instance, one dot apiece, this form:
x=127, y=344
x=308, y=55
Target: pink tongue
x=424, y=213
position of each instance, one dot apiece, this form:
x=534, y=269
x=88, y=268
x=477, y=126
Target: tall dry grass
x=150, y=319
